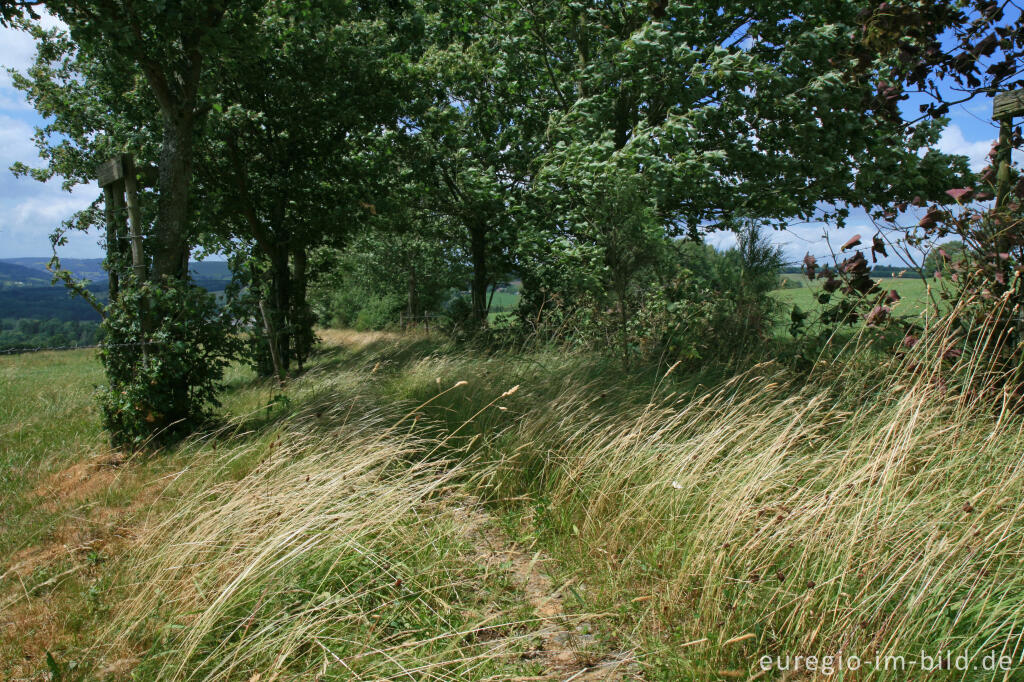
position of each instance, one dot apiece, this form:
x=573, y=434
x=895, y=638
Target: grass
x=46, y=422
x=688, y=525
x=912, y=290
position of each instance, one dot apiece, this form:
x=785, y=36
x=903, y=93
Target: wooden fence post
x=134, y=216
x=272, y=341
x=110, y=177
x=1005, y=106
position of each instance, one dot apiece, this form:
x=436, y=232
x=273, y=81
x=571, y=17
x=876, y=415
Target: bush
x=165, y=353
x=378, y=312
x=692, y=303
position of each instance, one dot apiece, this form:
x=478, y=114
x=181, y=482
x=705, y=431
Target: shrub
x=692, y=302
x=378, y=312
x=165, y=352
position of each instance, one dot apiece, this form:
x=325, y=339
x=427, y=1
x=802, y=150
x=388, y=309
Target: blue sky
x=29, y=210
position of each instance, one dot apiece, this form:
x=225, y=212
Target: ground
x=413, y=509
x=74, y=509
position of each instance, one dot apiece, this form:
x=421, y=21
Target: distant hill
x=26, y=291
x=48, y=303
x=92, y=268
x=13, y=274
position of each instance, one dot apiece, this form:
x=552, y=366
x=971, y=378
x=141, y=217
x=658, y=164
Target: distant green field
x=504, y=300
x=800, y=291
x=912, y=290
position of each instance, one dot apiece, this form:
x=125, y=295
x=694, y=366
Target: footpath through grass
x=411, y=510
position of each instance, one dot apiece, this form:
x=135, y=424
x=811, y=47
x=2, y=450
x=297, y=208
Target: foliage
x=942, y=256
x=131, y=78
x=455, y=144
x=718, y=305
x=382, y=274
x=165, y=352
x=298, y=144
x=686, y=301
x=49, y=333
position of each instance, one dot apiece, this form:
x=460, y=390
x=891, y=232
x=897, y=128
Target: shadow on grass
x=358, y=375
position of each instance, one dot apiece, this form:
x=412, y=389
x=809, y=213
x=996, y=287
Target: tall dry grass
x=867, y=511
x=335, y=556
x=875, y=508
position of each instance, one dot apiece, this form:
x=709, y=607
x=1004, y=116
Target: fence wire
x=42, y=349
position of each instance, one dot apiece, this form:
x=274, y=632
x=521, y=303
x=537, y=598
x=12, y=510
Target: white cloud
x=30, y=210
x=27, y=218
x=15, y=142
x=17, y=51
x=953, y=141
x=721, y=239
x=17, y=48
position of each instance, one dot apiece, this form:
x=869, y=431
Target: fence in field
x=405, y=320
x=40, y=349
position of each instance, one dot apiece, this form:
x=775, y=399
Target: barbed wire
x=44, y=349
x=41, y=349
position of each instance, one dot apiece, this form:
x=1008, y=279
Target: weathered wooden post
x=110, y=174
x=272, y=341
x=118, y=177
x=1005, y=106
x=131, y=191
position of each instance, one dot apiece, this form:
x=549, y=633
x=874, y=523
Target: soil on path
x=565, y=646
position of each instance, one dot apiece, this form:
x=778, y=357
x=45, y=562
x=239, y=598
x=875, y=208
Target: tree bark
x=115, y=258
x=412, y=304
x=478, y=254
x=280, y=302
x=170, y=238
x=301, y=322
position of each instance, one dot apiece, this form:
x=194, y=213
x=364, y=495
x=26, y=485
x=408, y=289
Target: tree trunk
x=113, y=213
x=621, y=287
x=478, y=254
x=301, y=317
x=280, y=300
x=170, y=236
x=410, y=308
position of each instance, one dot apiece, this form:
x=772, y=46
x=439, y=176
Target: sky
x=30, y=210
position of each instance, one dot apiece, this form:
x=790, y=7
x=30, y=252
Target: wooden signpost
x=1005, y=106
x=119, y=178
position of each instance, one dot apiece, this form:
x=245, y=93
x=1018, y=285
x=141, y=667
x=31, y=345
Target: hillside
x=26, y=291
x=92, y=268
x=408, y=505
x=15, y=274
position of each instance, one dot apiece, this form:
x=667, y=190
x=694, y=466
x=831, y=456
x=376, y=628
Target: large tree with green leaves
x=494, y=84
x=162, y=376
x=169, y=46
x=687, y=118
x=299, y=143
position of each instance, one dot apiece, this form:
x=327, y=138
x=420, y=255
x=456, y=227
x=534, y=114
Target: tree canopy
x=569, y=144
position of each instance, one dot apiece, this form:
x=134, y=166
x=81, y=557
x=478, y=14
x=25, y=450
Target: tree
x=715, y=114
x=473, y=150
x=126, y=75
x=384, y=272
x=299, y=140
x=942, y=256
x=168, y=44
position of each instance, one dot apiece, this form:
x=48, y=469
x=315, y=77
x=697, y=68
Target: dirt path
x=36, y=613
x=566, y=648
